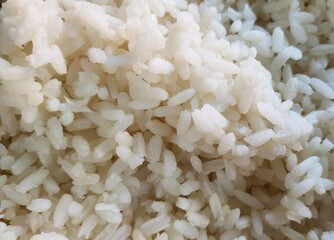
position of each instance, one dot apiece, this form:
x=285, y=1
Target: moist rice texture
x=148, y=119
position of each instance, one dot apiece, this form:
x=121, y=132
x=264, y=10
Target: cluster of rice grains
x=166, y=120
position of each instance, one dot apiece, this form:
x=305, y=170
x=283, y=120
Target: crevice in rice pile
x=166, y=120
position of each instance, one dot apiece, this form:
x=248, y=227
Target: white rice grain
x=87, y=226
x=169, y=166
x=197, y=219
x=277, y=40
x=188, y=187
x=322, y=49
x=217, y=118
x=32, y=181
x=51, y=235
x=122, y=232
x=97, y=55
x=321, y=87
x=186, y=229
x=75, y=209
x=160, y=66
x=22, y=164
x=183, y=123
x=291, y=234
x=196, y=164
x=155, y=225
x=181, y=97
x=256, y=221
x=81, y=146
x=301, y=188
x=259, y=138
x=60, y=215
x=39, y=205
x=109, y=212
x=252, y=35
x=154, y=149
x=248, y=199
x=11, y=193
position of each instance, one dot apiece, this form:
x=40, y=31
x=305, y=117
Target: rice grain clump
x=147, y=119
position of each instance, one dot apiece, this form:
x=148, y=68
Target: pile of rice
x=166, y=119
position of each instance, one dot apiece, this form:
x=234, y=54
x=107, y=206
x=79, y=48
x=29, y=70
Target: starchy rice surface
x=166, y=119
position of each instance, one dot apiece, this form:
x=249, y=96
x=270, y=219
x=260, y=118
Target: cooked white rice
x=148, y=119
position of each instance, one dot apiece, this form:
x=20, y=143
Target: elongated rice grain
x=248, y=199
x=322, y=88
x=185, y=229
x=155, y=225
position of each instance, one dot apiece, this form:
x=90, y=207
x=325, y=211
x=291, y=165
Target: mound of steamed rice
x=149, y=119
